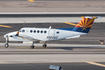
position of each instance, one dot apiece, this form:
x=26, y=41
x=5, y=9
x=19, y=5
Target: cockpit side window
x=23, y=30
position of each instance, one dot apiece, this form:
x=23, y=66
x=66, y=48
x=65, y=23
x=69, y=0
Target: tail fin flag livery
x=84, y=25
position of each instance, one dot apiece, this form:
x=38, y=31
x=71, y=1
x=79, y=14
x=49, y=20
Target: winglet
x=17, y=34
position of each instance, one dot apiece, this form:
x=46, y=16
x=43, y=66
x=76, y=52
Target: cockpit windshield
x=20, y=30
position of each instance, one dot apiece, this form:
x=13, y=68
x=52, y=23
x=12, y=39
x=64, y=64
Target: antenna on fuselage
x=50, y=27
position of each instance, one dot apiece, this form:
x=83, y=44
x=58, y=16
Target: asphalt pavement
x=54, y=0
x=68, y=56
x=45, y=66
x=52, y=6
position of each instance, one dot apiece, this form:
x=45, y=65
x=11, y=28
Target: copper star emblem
x=84, y=27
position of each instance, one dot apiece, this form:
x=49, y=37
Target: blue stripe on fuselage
x=77, y=29
x=69, y=29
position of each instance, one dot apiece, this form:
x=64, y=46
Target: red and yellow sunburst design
x=86, y=22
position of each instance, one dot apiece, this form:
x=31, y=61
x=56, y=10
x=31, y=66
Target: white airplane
x=31, y=35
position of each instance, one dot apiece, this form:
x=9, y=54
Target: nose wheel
x=6, y=45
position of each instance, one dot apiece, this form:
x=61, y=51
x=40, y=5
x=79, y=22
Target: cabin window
x=23, y=30
x=34, y=31
x=38, y=31
x=45, y=31
x=30, y=31
x=57, y=32
x=41, y=31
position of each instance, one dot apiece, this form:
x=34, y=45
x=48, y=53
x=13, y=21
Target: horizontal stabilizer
x=73, y=37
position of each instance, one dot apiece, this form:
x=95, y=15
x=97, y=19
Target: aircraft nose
x=6, y=35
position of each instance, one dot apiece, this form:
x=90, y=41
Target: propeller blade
x=17, y=34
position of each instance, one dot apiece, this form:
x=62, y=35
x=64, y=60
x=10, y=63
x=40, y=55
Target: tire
x=44, y=45
x=6, y=45
x=32, y=47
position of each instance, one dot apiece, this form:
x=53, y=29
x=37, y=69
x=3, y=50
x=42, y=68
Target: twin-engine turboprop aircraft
x=29, y=34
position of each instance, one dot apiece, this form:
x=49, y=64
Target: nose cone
x=10, y=34
x=6, y=35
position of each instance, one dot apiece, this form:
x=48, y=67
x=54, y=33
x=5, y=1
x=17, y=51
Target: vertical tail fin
x=85, y=24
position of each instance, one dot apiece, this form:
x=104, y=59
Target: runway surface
x=52, y=6
x=53, y=0
x=68, y=56
x=49, y=14
x=45, y=66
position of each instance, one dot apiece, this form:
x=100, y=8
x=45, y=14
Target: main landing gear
x=32, y=46
x=44, y=45
x=7, y=41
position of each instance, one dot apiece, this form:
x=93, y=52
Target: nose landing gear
x=6, y=45
x=7, y=41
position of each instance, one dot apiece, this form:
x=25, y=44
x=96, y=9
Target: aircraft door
x=51, y=34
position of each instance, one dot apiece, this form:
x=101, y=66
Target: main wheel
x=6, y=45
x=44, y=45
x=32, y=47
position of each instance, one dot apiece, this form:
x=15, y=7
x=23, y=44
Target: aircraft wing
x=27, y=38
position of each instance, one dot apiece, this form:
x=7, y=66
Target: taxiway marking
x=98, y=64
x=31, y=0
x=70, y=23
x=5, y=26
